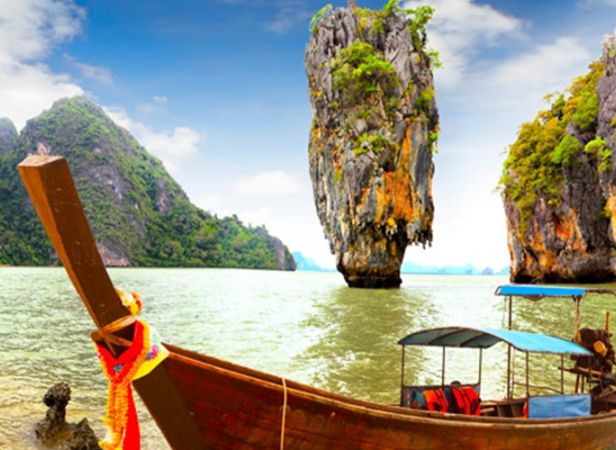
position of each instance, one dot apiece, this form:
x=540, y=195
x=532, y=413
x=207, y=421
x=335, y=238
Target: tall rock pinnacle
x=375, y=124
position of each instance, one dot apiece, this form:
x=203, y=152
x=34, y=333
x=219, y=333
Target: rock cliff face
x=559, y=184
x=8, y=136
x=139, y=215
x=373, y=133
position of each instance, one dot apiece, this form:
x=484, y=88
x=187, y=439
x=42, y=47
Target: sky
x=217, y=90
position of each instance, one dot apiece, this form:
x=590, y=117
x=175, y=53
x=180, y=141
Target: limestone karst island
x=291, y=224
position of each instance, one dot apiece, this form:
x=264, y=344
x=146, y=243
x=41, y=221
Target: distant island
x=139, y=214
x=308, y=265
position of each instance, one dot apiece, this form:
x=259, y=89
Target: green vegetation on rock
x=366, y=142
x=318, y=17
x=359, y=72
x=546, y=145
x=599, y=148
x=567, y=151
x=137, y=212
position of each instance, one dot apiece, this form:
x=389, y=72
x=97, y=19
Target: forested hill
x=139, y=215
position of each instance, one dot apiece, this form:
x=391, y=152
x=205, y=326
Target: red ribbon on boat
x=121, y=417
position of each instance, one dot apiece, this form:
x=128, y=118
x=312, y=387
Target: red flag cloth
x=121, y=417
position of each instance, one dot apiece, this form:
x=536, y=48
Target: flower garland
x=121, y=418
x=121, y=415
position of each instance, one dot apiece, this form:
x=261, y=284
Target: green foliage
x=391, y=7
x=425, y=99
x=432, y=140
x=534, y=165
x=366, y=142
x=134, y=207
x=435, y=58
x=567, y=150
x=558, y=106
x=318, y=17
x=599, y=148
x=420, y=17
x=359, y=72
x=585, y=116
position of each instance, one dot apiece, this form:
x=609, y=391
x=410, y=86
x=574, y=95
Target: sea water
x=305, y=326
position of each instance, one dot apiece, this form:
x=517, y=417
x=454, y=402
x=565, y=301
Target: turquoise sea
x=304, y=326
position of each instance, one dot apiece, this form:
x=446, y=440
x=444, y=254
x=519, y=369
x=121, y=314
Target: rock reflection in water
x=357, y=352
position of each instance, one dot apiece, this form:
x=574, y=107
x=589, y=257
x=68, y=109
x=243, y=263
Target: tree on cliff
x=374, y=129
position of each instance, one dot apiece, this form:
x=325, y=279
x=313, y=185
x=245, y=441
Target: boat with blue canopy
x=563, y=405
x=590, y=350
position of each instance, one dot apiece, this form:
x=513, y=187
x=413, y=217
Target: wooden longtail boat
x=200, y=402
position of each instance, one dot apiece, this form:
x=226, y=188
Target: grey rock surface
x=370, y=153
x=8, y=136
x=54, y=432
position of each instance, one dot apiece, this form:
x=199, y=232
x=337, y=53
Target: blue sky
x=217, y=90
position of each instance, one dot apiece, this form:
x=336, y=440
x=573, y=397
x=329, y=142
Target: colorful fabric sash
x=143, y=356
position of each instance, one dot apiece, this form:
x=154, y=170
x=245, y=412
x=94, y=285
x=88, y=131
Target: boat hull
x=240, y=408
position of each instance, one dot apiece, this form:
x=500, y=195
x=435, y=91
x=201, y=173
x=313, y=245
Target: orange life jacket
x=435, y=400
x=467, y=400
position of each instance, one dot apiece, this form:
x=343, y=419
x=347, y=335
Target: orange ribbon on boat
x=143, y=356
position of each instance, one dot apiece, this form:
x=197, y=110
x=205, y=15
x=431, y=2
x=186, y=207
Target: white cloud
x=276, y=183
x=99, y=74
x=156, y=105
x=524, y=79
x=174, y=148
x=515, y=86
x=256, y=217
x=30, y=28
x=28, y=89
x=458, y=31
x=28, y=31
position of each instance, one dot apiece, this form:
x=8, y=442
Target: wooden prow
x=51, y=188
x=50, y=185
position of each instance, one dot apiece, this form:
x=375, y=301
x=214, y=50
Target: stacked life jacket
x=465, y=401
x=435, y=400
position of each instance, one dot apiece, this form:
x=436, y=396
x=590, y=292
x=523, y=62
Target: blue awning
x=463, y=337
x=539, y=291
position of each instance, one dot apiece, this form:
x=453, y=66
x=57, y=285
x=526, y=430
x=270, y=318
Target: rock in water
x=374, y=129
x=54, y=432
x=559, y=184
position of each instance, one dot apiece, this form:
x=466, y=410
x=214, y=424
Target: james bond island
x=559, y=183
x=374, y=130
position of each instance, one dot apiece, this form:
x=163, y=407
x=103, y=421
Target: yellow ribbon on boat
x=157, y=352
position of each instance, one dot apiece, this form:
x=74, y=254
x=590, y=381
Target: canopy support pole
x=527, y=386
x=509, y=378
x=402, y=377
x=443, y=370
x=480, y=365
x=562, y=374
x=578, y=317
x=512, y=374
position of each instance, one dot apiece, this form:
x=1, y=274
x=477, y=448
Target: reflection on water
x=305, y=326
x=356, y=352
